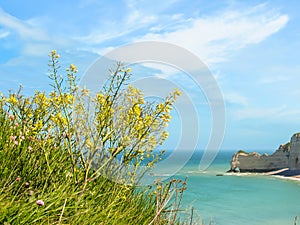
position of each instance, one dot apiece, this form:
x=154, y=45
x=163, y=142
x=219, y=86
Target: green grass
x=49, y=176
x=46, y=154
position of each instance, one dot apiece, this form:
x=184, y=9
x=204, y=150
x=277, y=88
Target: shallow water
x=250, y=199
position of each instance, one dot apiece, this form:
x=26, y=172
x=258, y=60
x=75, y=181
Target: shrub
x=67, y=157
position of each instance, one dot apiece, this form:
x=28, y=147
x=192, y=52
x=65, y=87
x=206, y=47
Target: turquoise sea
x=248, y=199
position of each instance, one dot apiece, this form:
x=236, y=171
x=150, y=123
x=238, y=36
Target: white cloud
x=25, y=29
x=282, y=113
x=214, y=38
x=236, y=98
x=279, y=114
x=165, y=70
x=37, y=49
x=4, y=34
x=137, y=18
x=273, y=79
x=262, y=113
x=99, y=37
x=290, y=115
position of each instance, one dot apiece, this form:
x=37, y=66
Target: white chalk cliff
x=286, y=156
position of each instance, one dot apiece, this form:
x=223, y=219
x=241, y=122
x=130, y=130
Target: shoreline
x=284, y=173
x=295, y=178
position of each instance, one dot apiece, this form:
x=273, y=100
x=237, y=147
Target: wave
x=244, y=174
x=287, y=178
x=196, y=172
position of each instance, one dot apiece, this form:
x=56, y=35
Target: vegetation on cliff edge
x=59, y=151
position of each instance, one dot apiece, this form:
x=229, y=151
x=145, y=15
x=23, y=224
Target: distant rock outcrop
x=286, y=156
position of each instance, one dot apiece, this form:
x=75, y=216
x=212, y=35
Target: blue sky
x=251, y=47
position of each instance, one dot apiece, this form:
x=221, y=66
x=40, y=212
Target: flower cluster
x=91, y=131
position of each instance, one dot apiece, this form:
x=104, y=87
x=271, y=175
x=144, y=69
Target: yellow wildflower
x=73, y=68
x=12, y=99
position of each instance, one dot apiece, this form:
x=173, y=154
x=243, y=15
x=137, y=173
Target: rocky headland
x=284, y=161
